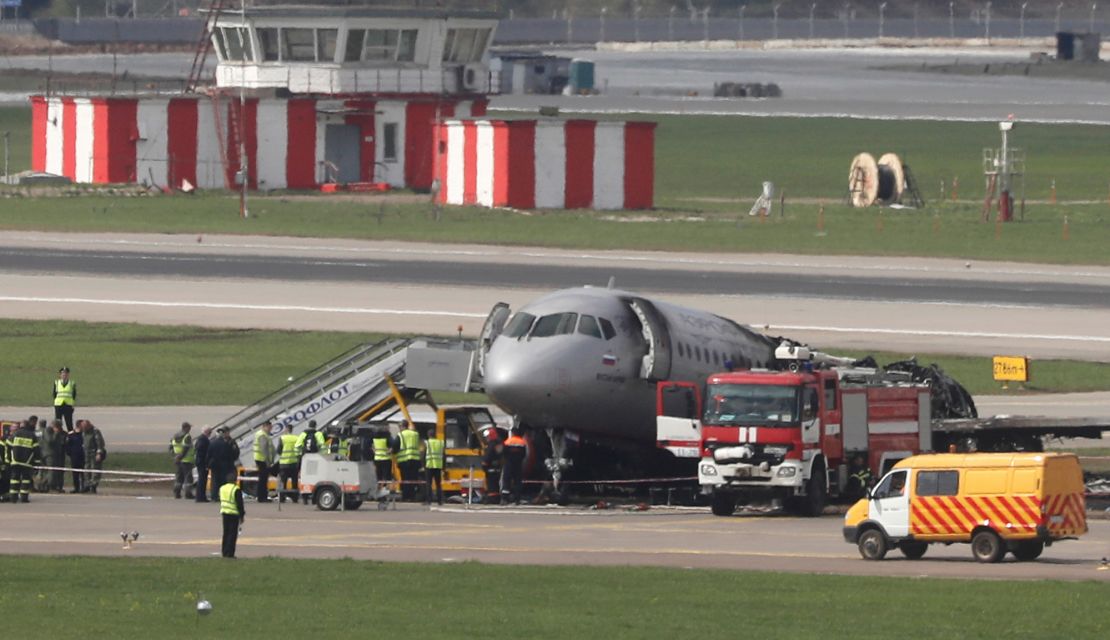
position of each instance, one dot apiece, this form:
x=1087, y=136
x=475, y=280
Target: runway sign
x=1011, y=368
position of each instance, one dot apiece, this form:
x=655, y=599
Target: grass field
x=268, y=598
x=141, y=365
x=16, y=121
x=708, y=172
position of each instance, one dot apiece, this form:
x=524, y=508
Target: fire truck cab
x=796, y=435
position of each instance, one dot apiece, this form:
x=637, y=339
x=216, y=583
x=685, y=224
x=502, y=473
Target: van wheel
x=724, y=503
x=913, y=550
x=327, y=498
x=1027, y=550
x=872, y=545
x=352, y=503
x=986, y=546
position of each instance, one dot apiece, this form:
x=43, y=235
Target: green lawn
x=142, y=365
x=155, y=598
x=16, y=121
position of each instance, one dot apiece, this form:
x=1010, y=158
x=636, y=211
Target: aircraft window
x=697, y=353
x=716, y=358
x=681, y=351
x=519, y=325
x=555, y=324
x=607, y=329
x=587, y=326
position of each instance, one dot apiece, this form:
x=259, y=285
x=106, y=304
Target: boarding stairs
x=358, y=379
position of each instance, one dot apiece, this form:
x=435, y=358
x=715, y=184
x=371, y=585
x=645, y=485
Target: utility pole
x=244, y=170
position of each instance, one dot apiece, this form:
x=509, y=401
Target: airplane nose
x=506, y=384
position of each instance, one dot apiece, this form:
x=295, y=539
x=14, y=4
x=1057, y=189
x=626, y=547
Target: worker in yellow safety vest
x=184, y=455
x=232, y=513
x=263, y=459
x=65, y=396
x=408, y=461
x=289, y=464
x=434, y=450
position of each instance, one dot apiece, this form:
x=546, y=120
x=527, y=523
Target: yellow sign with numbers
x=1011, y=368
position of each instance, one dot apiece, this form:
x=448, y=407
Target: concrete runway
x=90, y=525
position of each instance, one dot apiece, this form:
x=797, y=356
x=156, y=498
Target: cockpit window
x=607, y=329
x=587, y=326
x=519, y=325
x=555, y=324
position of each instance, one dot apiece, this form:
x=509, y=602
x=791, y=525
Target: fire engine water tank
x=581, y=76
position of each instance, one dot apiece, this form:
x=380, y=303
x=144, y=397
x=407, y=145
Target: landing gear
x=558, y=463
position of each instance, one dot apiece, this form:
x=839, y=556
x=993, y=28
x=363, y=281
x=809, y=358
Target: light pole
x=951, y=19
x=1091, y=21
x=987, y=21
x=1022, y=20
x=636, y=21
x=705, y=24
x=915, y=33
x=604, y=10
x=844, y=18
x=570, y=26
x=812, y=9
x=775, y=22
x=7, y=138
x=740, y=24
x=1059, y=6
x=882, y=17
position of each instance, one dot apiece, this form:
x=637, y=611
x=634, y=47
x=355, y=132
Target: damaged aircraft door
x=495, y=323
x=656, y=363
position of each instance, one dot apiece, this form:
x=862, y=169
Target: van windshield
x=752, y=404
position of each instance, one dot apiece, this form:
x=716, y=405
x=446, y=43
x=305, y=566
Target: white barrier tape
x=637, y=481
x=141, y=474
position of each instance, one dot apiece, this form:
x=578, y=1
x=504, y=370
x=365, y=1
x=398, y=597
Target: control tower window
x=587, y=326
x=325, y=44
x=300, y=45
x=238, y=44
x=556, y=324
x=519, y=325
x=465, y=45
x=406, y=46
x=268, y=42
x=355, y=42
x=218, y=41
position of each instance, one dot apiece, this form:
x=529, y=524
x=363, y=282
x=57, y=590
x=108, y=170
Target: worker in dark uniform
x=492, y=458
x=383, y=455
x=263, y=459
x=200, y=453
x=22, y=457
x=75, y=451
x=95, y=452
x=184, y=456
x=408, y=461
x=434, y=455
x=5, y=464
x=512, y=479
x=65, y=397
x=57, y=448
x=289, y=464
x=232, y=512
x=859, y=479
x=220, y=461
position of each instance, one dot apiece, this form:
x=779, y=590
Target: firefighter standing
x=408, y=461
x=491, y=464
x=512, y=478
x=22, y=456
x=5, y=470
x=434, y=450
x=289, y=463
x=184, y=457
x=94, y=455
x=263, y=458
x=65, y=396
x=233, y=514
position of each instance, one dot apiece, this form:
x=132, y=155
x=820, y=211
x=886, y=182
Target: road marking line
x=244, y=307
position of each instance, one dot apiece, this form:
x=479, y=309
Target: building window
x=237, y=47
x=406, y=46
x=300, y=45
x=389, y=142
x=355, y=42
x=268, y=41
x=218, y=41
x=465, y=45
x=325, y=44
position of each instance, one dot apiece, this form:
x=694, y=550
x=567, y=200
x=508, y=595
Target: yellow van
x=999, y=502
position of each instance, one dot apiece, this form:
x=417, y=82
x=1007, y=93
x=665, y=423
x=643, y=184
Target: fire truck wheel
x=724, y=503
x=813, y=503
x=872, y=545
x=986, y=546
x=327, y=498
x=1027, y=550
x=913, y=550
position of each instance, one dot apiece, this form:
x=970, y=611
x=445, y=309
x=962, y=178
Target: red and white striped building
x=547, y=164
x=290, y=143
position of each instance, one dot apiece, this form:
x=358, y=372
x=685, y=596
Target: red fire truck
x=795, y=435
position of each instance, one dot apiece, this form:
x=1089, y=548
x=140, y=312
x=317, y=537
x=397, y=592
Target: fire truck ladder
x=228, y=144
x=346, y=386
x=204, y=44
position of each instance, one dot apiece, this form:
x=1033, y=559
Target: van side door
x=890, y=503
